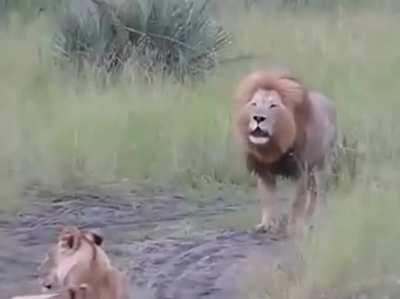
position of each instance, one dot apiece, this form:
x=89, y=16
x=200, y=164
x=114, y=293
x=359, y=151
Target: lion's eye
x=253, y=104
x=273, y=106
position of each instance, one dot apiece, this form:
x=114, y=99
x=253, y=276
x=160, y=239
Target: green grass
x=356, y=251
x=57, y=130
x=352, y=57
x=67, y=130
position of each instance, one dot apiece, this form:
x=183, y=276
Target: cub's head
x=266, y=109
x=74, y=249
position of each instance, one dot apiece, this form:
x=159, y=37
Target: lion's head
x=75, y=250
x=268, y=113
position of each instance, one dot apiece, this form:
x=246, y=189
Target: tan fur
x=284, y=129
x=79, y=267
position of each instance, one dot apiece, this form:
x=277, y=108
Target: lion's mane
x=282, y=154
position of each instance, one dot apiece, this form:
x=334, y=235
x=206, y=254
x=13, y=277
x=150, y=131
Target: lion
x=80, y=269
x=287, y=131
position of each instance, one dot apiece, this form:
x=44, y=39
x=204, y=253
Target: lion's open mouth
x=259, y=136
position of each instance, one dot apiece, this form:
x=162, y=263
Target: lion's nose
x=259, y=119
x=48, y=286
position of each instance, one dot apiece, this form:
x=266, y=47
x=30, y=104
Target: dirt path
x=155, y=239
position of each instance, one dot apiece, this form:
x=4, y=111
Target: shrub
x=170, y=37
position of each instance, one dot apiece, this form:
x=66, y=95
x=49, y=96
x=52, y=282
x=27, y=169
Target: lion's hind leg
x=298, y=209
x=314, y=189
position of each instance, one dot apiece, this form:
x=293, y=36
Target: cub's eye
x=253, y=104
x=273, y=106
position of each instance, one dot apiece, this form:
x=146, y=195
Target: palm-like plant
x=171, y=37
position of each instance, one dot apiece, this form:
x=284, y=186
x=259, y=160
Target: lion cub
x=81, y=269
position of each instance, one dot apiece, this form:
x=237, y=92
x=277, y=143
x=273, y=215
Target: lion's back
x=322, y=128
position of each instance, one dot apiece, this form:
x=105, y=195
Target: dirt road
x=166, y=244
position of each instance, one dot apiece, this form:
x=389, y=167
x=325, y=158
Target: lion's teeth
x=258, y=140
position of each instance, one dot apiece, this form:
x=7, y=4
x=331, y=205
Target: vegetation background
x=61, y=128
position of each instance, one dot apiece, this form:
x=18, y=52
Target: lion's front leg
x=298, y=210
x=267, y=194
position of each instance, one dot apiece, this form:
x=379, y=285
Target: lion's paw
x=269, y=227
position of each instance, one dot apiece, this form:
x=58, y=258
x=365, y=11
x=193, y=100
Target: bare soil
x=168, y=246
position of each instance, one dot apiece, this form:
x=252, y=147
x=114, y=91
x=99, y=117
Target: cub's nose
x=259, y=119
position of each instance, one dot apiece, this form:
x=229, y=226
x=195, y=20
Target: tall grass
x=27, y=9
x=355, y=253
x=352, y=57
x=67, y=128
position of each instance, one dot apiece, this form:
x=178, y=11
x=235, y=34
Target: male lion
x=285, y=130
x=80, y=268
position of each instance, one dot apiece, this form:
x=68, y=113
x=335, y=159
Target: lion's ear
x=292, y=89
x=96, y=236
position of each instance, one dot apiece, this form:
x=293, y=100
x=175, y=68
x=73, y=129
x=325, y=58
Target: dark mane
x=287, y=166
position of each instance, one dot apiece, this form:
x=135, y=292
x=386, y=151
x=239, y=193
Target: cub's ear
x=70, y=239
x=96, y=236
x=71, y=294
x=80, y=292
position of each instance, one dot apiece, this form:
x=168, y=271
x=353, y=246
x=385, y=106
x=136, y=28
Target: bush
x=171, y=37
